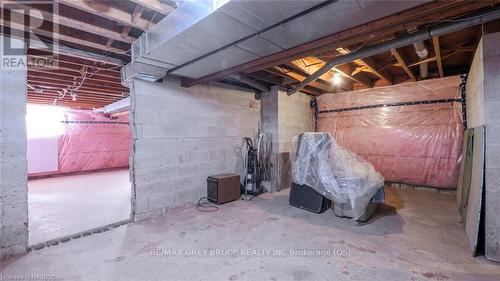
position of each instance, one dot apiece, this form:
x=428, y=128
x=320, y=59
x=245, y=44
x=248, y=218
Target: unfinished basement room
x=250, y=140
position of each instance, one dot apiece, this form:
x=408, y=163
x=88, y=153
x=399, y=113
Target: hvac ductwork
x=422, y=53
x=206, y=36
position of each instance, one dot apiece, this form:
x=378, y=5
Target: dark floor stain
x=428, y=274
x=302, y=275
x=119, y=259
x=345, y=272
x=182, y=234
x=233, y=277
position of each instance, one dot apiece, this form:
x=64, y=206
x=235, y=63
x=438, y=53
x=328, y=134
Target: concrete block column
x=283, y=118
x=13, y=162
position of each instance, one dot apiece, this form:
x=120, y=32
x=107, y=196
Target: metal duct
x=422, y=53
x=406, y=40
x=206, y=36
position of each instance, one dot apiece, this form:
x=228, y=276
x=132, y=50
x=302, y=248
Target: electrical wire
x=207, y=206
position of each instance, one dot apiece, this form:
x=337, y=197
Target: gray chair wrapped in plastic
x=352, y=183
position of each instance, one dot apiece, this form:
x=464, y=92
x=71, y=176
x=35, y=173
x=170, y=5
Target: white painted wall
x=181, y=136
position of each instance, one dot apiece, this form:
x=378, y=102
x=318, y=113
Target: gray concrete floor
x=416, y=236
x=67, y=205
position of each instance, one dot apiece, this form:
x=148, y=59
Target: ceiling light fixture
x=337, y=79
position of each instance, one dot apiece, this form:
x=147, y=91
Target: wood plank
x=79, y=25
x=437, y=51
x=155, y=5
x=403, y=64
x=347, y=71
x=72, y=75
x=86, y=83
x=474, y=201
x=110, y=13
x=300, y=77
x=63, y=37
x=382, y=74
x=310, y=65
x=279, y=72
x=83, y=88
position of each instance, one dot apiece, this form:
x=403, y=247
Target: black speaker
x=306, y=198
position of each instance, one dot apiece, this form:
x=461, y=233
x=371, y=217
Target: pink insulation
x=413, y=144
x=90, y=141
x=92, y=145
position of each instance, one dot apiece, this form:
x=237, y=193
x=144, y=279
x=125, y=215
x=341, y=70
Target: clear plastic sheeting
x=335, y=172
x=417, y=144
x=91, y=142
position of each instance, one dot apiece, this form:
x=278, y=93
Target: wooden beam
x=370, y=65
x=63, y=37
x=78, y=25
x=300, y=76
x=108, y=12
x=155, y=5
x=80, y=54
x=437, y=50
x=72, y=75
x=383, y=75
x=435, y=10
x=66, y=61
x=347, y=71
x=309, y=65
x=285, y=74
x=88, y=83
x=62, y=85
x=402, y=62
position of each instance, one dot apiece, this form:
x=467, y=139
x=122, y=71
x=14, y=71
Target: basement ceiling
x=98, y=35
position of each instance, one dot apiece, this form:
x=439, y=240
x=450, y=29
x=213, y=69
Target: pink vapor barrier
x=418, y=144
x=90, y=142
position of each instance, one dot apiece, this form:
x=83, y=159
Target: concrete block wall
x=483, y=103
x=295, y=116
x=13, y=163
x=181, y=136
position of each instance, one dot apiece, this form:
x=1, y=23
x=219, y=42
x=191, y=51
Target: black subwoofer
x=306, y=198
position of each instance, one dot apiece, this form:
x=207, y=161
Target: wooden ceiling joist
x=155, y=5
x=88, y=82
x=63, y=37
x=437, y=51
x=403, y=64
x=79, y=25
x=68, y=63
x=43, y=84
x=347, y=71
x=64, y=76
x=111, y=13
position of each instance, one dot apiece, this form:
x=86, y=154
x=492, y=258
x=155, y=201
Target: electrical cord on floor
x=207, y=206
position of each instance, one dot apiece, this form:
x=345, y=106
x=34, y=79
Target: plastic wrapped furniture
x=344, y=210
x=336, y=173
